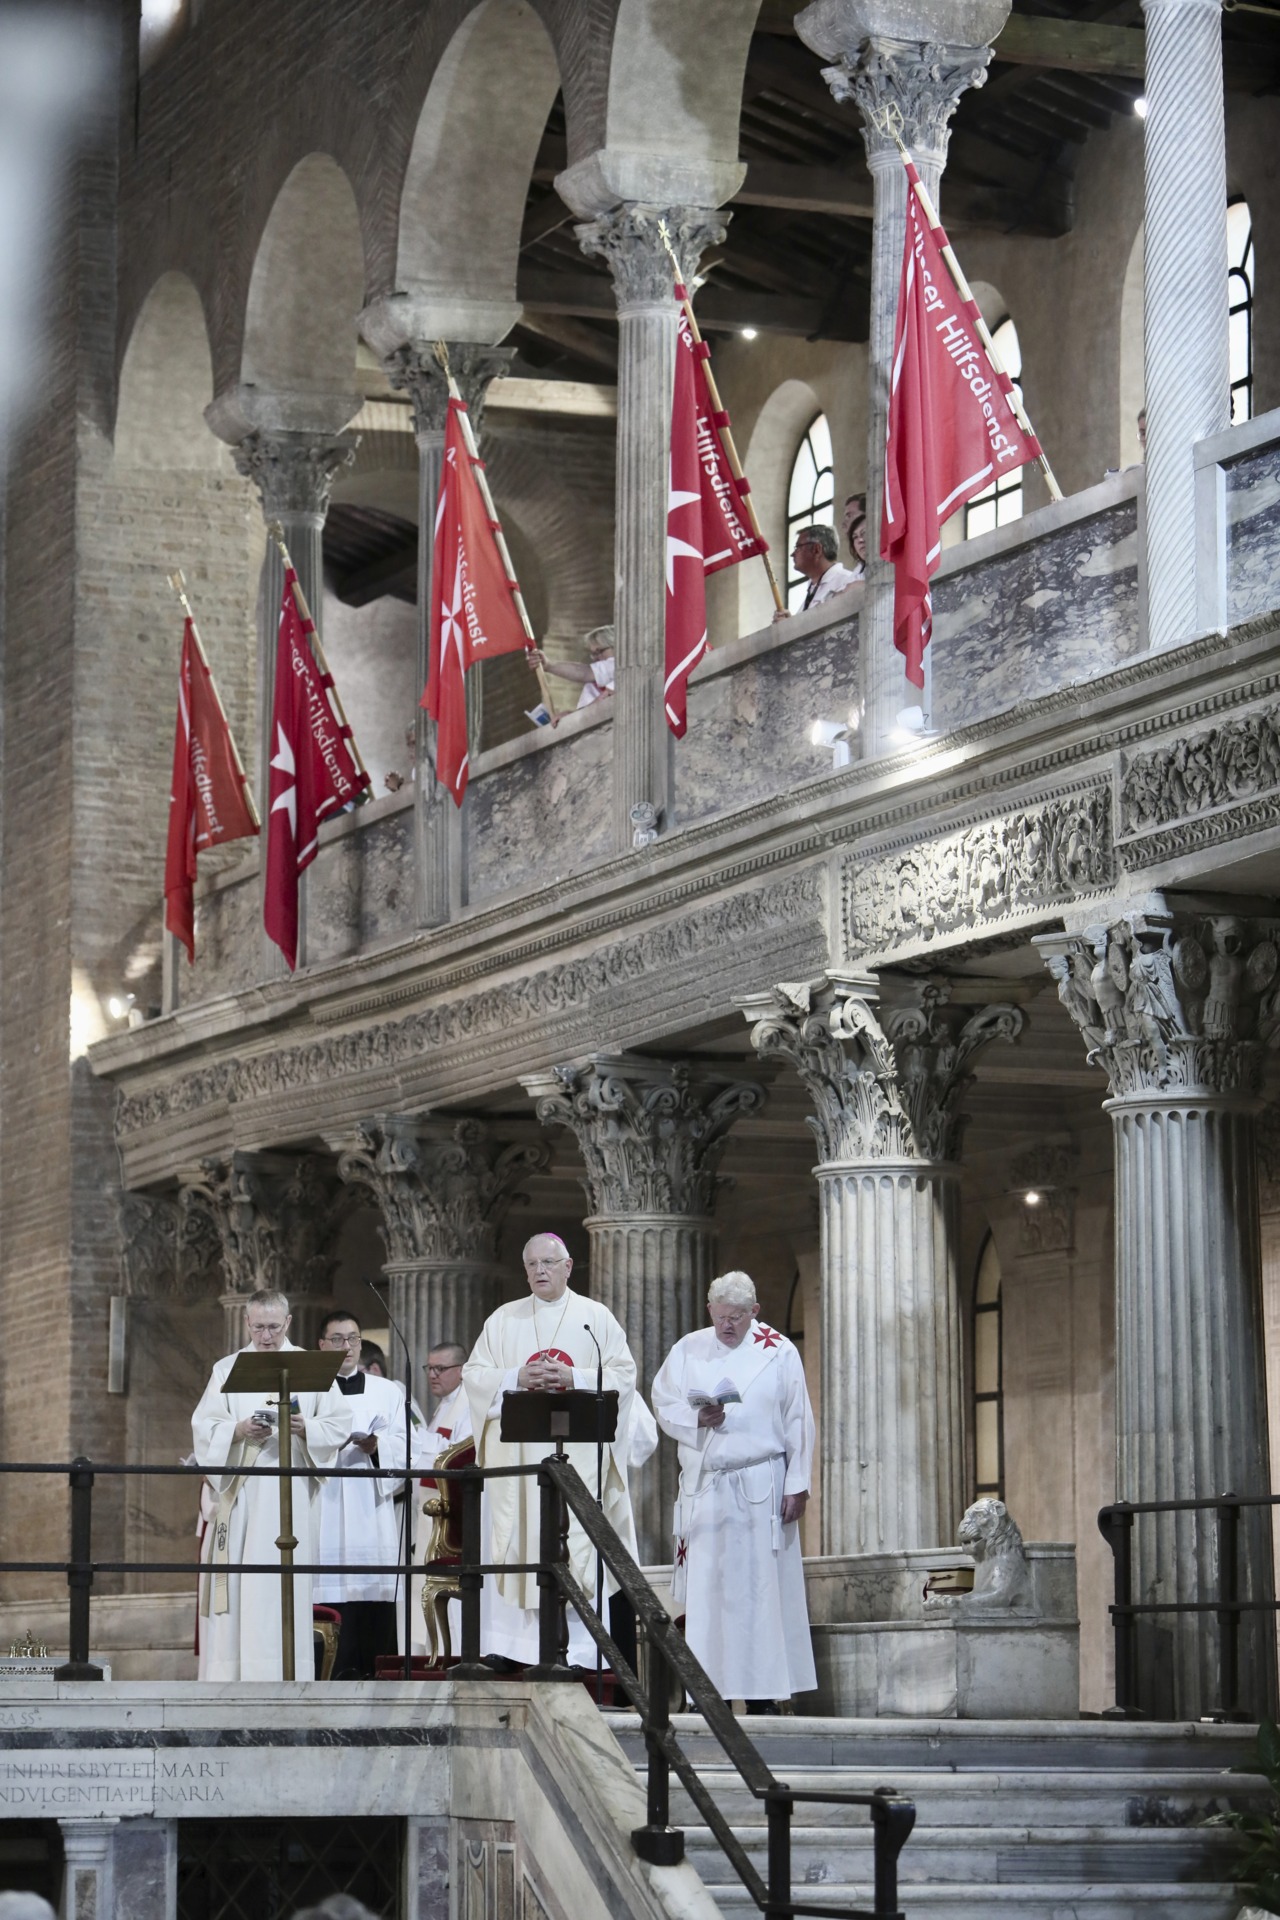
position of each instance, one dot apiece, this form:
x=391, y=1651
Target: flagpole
x=179, y=586
x=966, y=294
x=724, y=434
x=300, y=601
x=500, y=538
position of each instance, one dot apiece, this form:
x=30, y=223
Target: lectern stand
x=278, y=1374
x=532, y=1417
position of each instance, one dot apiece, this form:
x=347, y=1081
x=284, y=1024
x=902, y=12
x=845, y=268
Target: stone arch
x=1132, y=369
x=675, y=79
x=307, y=285
x=462, y=205
x=166, y=382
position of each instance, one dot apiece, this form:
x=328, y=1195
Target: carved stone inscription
x=1055, y=850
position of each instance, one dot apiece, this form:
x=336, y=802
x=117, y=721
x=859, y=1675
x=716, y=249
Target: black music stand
x=533, y=1416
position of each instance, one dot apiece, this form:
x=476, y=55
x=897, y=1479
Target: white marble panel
x=307, y=1782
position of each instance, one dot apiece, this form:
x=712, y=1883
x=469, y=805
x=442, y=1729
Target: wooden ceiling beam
x=589, y=296
x=848, y=196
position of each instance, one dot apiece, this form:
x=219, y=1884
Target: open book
x=725, y=1395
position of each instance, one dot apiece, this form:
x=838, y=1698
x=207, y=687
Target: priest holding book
x=734, y=1397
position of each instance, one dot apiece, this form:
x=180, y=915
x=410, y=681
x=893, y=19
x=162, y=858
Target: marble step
x=1156, y=1901
x=958, y=1856
x=788, y=1743
x=1040, y=1797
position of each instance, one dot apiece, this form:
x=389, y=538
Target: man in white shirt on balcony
x=814, y=556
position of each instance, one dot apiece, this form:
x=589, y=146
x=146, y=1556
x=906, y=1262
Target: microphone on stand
x=394, y=1324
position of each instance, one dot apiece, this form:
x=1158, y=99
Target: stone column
x=1186, y=348
x=412, y=367
x=1180, y=1007
x=885, y=1067
x=276, y=1217
x=644, y=280
x=651, y=1134
x=88, y=1890
x=443, y=1188
x=888, y=59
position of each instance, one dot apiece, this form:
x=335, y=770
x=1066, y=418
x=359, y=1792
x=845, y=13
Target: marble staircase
x=1050, y=1820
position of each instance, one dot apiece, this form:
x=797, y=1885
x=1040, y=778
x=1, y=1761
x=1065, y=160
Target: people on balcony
x=816, y=556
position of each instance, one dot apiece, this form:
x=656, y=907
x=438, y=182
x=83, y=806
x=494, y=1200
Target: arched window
x=1240, y=297
x=1001, y=502
x=811, y=497
x=160, y=23
x=988, y=1382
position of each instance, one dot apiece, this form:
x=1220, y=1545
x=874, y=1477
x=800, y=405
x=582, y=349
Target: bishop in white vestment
x=733, y=1395
x=239, y=1619
x=543, y=1343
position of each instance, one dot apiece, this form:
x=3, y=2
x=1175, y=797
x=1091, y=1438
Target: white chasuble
x=738, y=1570
x=239, y=1618
x=517, y=1333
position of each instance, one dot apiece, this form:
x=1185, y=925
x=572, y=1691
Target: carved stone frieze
x=1221, y=766
x=1047, y=1223
x=885, y=1065
x=651, y=1132
x=275, y=1216
x=166, y=1251
x=629, y=240
x=294, y=472
x=1173, y=1001
x=527, y=1000
x=442, y=1186
x=415, y=370
x=1054, y=850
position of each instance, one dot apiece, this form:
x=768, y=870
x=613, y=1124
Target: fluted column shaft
x=644, y=280
x=1190, y=1378
x=1186, y=345
x=652, y=1271
x=886, y=1063
x=1179, y=1005
x=438, y=1301
x=904, y=83
x=892, y=1404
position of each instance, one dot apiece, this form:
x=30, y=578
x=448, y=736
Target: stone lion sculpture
x=1002, y=1577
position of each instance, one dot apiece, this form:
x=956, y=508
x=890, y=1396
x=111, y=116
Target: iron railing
x=1116, y=1526
x=562, y=1492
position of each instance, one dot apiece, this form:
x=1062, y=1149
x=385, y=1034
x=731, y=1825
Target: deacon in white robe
x=733, y=1395
x=543, y=1343
x=239, y=1619
x=361, y=1520
x=447, y=1425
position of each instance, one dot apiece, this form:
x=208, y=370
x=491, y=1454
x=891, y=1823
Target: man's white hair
x=553, y=1237
x=25, y=1906
x=736, y=1289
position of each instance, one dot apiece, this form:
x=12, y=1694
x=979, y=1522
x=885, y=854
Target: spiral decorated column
x=885, y=1065
x=651, y=1134
x=1180, y=1008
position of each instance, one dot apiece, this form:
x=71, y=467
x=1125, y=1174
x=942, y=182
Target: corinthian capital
x=442, y=1186
x=294, y=472
x=651, y=1132
x=904, y=63
x=630, y=240
x=274, y=1215
x=884, y=1064
x=413, y=368
x=1173, y=1001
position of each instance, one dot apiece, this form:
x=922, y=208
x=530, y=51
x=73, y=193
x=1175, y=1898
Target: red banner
x=473, y=612
x=208, y=803
x=707, y=527
x=313, y=770
x=952, y=427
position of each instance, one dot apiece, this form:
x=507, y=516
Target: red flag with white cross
x=707, y=525
x=314, y=773
x=952, y=426
x=474, y=614
x=209, y=800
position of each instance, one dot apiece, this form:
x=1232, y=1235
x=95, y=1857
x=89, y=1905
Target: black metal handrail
x=562, y=1491
x=1115, y=1523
